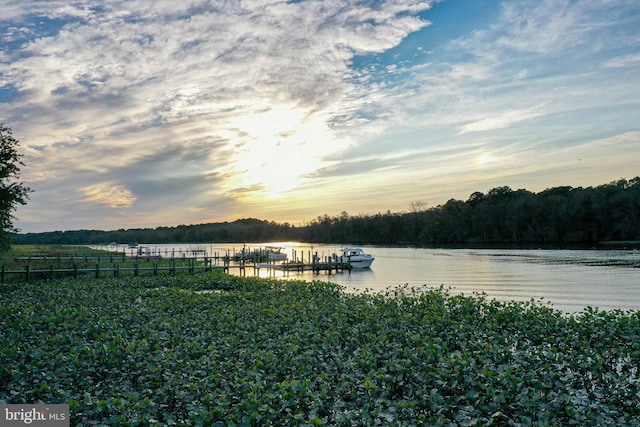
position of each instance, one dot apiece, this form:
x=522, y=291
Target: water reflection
x=569, y=280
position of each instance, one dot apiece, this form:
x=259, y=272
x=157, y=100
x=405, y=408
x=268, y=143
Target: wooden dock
x=149, y=262
x=287, y=267
x=299, y=264
x=99, y=271
x=299, y=267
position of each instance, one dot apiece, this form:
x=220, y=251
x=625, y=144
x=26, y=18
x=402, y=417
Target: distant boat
x=356, y=257
x=264, y=254
x=274, y=253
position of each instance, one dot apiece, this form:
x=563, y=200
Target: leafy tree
x=12, y=193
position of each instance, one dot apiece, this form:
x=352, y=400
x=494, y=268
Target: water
x=568, y=280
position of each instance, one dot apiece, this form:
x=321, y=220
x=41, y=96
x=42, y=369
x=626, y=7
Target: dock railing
x=119, y=263
x=98, y=270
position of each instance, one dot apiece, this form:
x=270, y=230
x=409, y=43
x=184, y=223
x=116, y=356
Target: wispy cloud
x=501, y=121
x=108, y=194
x=632, y=60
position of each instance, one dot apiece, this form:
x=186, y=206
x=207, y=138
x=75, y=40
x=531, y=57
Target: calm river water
x=568, y=280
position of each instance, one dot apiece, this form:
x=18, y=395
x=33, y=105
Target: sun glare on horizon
x=280, y=148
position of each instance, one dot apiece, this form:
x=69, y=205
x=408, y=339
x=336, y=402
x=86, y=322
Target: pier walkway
x=155, y=262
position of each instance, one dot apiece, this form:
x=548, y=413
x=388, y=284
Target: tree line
x=559, y=215
x=555, y=216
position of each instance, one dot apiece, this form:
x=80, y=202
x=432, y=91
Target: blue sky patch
x=8, y=94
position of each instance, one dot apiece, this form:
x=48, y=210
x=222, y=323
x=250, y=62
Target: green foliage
x=222, y=350
x=12, y=193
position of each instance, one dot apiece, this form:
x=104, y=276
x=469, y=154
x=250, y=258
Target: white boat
x=274, y=253
x=356, y=257
x=264, y=254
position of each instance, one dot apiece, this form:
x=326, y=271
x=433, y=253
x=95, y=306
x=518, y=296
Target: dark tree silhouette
x=12, y=193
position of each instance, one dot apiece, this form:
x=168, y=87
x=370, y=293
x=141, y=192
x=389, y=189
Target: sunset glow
x=135, y=116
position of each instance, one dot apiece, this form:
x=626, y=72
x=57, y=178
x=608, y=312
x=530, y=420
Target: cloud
x=501, y=121
x=119, y=65
x=185, y=110
x=631, y=60
x=115, y=88
x=541, y=27
x=109, y=195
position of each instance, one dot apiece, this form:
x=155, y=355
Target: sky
x=139, y=113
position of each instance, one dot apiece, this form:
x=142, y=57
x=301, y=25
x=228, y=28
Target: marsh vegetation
x=213, y=349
